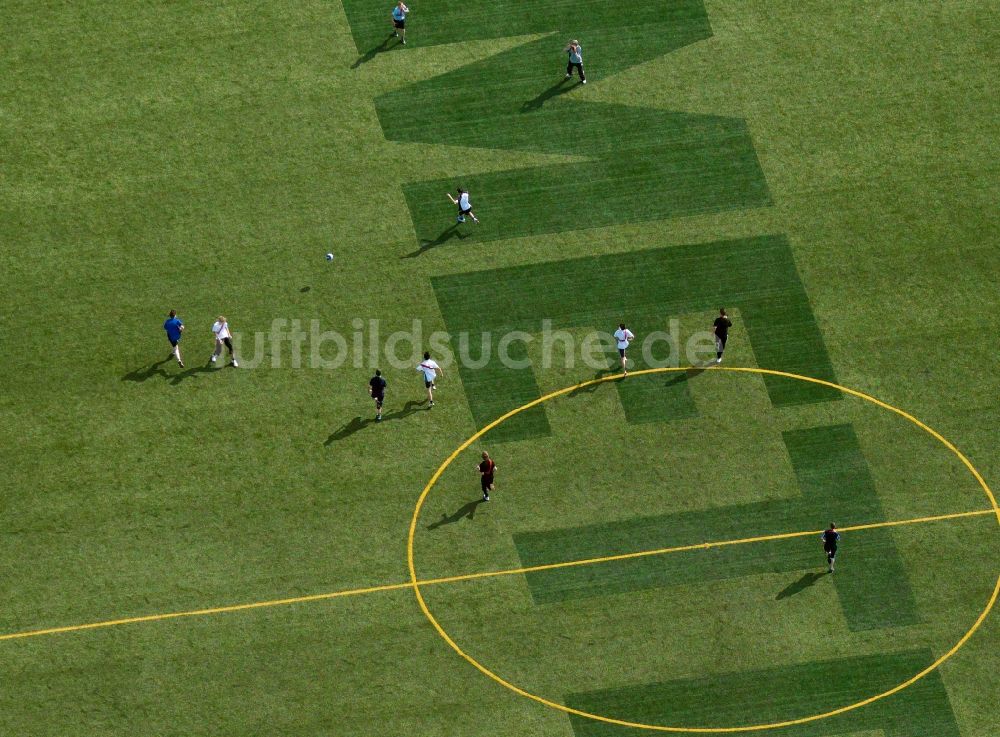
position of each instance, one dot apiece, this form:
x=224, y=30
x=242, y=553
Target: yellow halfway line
x=695, y=546
x=473, y=576
x=205, y=612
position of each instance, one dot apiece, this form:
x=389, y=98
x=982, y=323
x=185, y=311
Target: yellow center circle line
x=416, y=583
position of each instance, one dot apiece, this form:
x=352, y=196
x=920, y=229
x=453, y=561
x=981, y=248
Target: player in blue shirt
x=399, y=20
x=830, y=539
x=174, y=328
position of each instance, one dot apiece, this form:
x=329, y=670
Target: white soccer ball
x=329, y=257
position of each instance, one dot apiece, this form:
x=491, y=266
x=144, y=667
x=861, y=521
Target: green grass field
x=827, y=171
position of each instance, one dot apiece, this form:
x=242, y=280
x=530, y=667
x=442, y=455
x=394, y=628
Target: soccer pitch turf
x=220, y=551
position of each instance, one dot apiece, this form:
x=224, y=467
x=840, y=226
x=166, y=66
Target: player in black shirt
x=721, y=329
x=376, y=389
x=830, y=539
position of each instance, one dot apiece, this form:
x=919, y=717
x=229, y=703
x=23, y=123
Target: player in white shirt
x=623, y=336
x=430, y=369
x=220, y=329
x=464, y=206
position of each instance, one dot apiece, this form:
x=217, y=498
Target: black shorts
x=464, y=212
x=831, y=550
x=173, y=343
x=398, y=23
x=428, y=384
x=621, y=352
x=379, y=399
x=487, y=482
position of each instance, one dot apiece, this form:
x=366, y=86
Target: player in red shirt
x=486, y=470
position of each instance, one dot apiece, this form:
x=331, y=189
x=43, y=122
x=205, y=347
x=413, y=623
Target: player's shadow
x=446, y=235
x=156, y=369
x=466, y=511
x=798, y=586
x=373, y=52
x=561, y=88
x=359, y=423
x=348, y=429
x=590, y=388
x=188, y=373
x=148, y=372
x=682, y=376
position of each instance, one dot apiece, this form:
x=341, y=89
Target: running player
x=376, y=390
x=174, y=328
x=575, y=52
x=464, y=206
x=486, y=470
x=399, y=21
x=721, y=329
x=430, y=369
x=830, y=539
x=220, y=329
x=623, y=336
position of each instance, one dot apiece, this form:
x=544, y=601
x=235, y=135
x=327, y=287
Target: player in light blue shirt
x=399, y=20
x=174, y=328
x=575, y=51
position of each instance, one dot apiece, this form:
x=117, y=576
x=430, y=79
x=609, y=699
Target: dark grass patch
x=757, y=276
x=440, y=22
x=834, y=478
x=642, y=164
x=782, y=693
